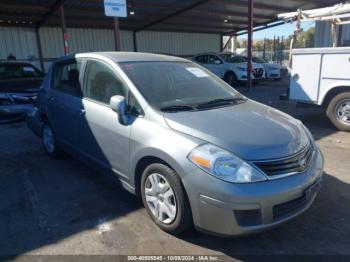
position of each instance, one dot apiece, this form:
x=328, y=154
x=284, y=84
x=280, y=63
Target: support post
x=250, y=43
x=334, y=34
x=340, y=36
x=282, y=49
x=264, y=49
x=40, y=51
x=64, y=32
x=234, y=44
x=274, y=49
x=116, y=34
x=226, y=44
x=134, y=38
x=221, y=42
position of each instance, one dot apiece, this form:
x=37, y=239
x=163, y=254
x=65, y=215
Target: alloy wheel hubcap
x=343, y=111
x=160, y=198
x=48, y=139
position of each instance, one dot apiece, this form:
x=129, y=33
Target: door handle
x=51, y=99
x=82, y=111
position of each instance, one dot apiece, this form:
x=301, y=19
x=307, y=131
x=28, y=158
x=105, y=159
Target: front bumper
x=243, y=77
x=273, y=74
x=237, y=209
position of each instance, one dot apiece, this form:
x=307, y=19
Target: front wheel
x=230, y=78
x=338, y=111
x=164, y=198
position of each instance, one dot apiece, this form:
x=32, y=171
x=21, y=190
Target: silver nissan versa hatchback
x=195, y=150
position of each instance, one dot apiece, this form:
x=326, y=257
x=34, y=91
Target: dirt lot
x=63, y=207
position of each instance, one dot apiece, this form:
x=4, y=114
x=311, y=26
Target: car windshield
x=258, y=60
x=179, y=86
x=230, y=58
x=11, y=71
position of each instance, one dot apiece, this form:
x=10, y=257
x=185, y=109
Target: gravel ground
x=62, y=207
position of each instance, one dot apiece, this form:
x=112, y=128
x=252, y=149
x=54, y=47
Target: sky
x=282, y=30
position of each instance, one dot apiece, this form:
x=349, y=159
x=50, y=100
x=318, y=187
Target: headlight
x=242, y=69
x=224, y=165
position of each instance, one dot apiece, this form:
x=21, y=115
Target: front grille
x=258, y=72
x=294, y=164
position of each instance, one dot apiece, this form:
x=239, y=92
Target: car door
x=216, y=65
x=105, y=140
x=64, y=107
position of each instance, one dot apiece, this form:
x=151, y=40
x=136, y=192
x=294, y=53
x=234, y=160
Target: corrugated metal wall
x=323, y=35
x=22, y=42
x=182, y=44
x=19, y=41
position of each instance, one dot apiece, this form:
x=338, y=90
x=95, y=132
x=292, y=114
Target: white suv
x=230, y=67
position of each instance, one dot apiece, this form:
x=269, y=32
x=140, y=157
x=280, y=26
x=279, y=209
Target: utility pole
x=250, y=43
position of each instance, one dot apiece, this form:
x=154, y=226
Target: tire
x=338, y=111
x=230, y=78
x=180, y=218
x=49, y=141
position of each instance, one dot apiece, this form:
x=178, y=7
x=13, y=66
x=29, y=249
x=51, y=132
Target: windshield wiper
x=220, y=102
x=176, y=108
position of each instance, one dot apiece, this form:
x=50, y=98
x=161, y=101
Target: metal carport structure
x=224, y=17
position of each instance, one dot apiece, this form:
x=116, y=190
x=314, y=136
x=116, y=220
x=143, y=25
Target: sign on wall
x=115, y=8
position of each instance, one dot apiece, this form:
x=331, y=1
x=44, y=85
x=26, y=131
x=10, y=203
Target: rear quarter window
x=66, y=77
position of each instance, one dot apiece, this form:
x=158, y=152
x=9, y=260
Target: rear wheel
x=49, y=141
x=338, y=111
x=164, y=198
x=230, y=78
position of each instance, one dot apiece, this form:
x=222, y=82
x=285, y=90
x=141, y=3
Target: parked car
x=195, y=149
x=272, y=71
x=19, y=85
x=230, y=67
x=320, y=77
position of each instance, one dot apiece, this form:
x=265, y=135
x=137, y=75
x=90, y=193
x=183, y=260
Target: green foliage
x=304, y=40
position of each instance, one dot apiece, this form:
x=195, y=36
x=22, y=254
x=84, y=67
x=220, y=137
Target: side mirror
x=217, y=62
x=118, y=105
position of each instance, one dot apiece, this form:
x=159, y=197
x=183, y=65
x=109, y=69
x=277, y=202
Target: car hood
x=250, y=130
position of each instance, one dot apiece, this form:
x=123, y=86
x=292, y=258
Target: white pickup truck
x=321, y=76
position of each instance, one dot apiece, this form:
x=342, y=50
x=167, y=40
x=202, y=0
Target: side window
x=213, y=59
x=66, y=77
x=101, y=82
x=203, y=59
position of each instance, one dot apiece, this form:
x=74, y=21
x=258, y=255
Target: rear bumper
x=273, y=74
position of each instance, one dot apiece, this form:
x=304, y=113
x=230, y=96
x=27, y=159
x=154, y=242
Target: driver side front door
x=105, y=140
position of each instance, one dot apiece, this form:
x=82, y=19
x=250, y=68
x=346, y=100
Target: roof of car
x=129, y=57
x=207, y=53
x=14, y=62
